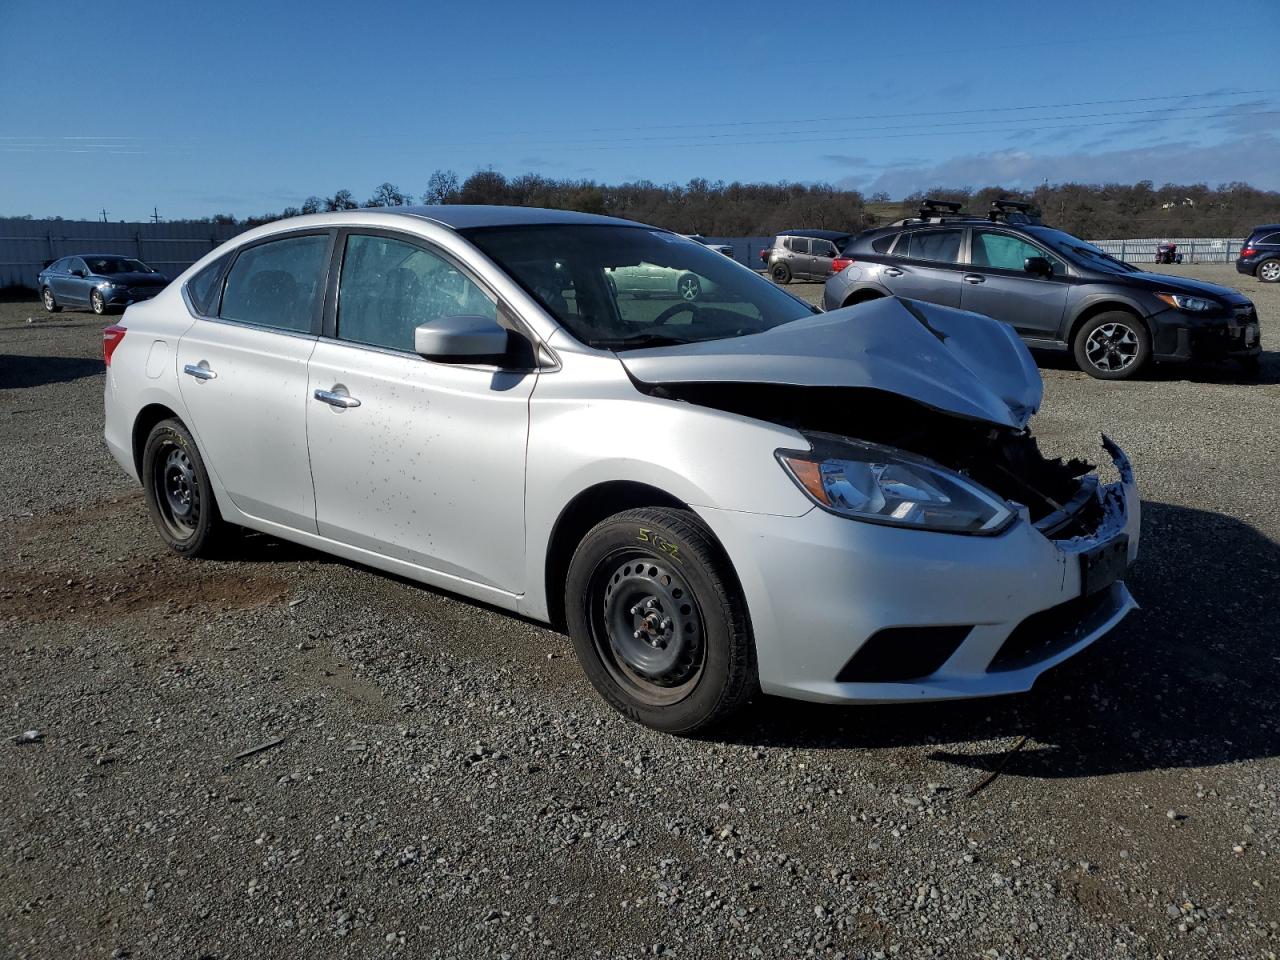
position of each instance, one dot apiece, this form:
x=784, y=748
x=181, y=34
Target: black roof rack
x=1013, y=211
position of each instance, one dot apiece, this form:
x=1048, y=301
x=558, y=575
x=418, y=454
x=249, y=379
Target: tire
x=97, y=302
x=657, y=620
x=780, y=272
x=1269, y=271
x=689, y=287
x=179, y=495
x=50, y=304
x=1251, y=367
x=1112, y=346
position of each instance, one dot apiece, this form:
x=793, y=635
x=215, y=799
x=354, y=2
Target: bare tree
x=342, y=200
x=442, y=187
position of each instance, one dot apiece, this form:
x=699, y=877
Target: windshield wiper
x=638, y=340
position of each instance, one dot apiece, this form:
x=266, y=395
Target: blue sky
x=246, y=107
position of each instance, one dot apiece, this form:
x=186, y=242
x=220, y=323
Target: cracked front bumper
x=819, y=587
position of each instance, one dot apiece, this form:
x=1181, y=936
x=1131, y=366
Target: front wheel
x=658, y=622
x=1269, y=271
x=98, y=302
x=179, y=495
x=1113, y=346
x=50, y=304
x=689, y=287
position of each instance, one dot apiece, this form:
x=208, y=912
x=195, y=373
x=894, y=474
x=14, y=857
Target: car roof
x=1265, y=226
x=463, y=216
x=820, y=234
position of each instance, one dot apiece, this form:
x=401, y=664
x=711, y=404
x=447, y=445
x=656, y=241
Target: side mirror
x=1040, y=266
x=78, y=273
x=460, y=338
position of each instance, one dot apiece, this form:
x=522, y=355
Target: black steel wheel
x=178, y=492
x=50, y=304
x=657, y=620
x=97, y=302
x=781, y=273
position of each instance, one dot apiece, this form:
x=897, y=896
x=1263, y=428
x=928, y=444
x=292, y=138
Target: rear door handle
x=199, y=372
x=892, y=272
x=973, y=278
x=336, y=399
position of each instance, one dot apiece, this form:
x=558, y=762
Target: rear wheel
x=98, y=302
x=689, y=287
x=50, y=304
x=781, y=273
x=658, y=622
x=1269, y=271
x=1113, y=346
x=178, y=492
x=1251, y=366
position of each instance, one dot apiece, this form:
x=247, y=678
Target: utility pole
x=155, y=214
x=104, y=214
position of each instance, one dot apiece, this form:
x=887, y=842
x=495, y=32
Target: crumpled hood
x=951, y=360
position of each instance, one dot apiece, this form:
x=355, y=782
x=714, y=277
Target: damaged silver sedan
x=713, y=495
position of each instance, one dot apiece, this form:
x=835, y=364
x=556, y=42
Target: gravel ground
x=446, y=784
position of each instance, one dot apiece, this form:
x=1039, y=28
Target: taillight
x=839, y=263
x=1247, y=251
x=111, y=337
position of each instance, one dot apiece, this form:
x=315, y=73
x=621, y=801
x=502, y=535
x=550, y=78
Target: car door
x=75, y=282
x=243, y=376
x=997, y=285
x=926, y=266
x=822, y=252
x=421, y=461
x=797, y=256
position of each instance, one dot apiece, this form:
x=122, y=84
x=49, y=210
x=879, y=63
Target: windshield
x=1083, y=253
x=109, y=265
x=621, y=287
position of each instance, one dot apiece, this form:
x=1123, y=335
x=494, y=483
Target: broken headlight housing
x=867, y=481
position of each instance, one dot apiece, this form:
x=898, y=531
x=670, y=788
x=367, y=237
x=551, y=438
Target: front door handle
x=892, y=272
x=973, y=278
x=199, y=371
x=336, y=399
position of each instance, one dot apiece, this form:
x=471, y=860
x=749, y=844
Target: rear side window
x=204, y=287
x=389, y=287
x=1272, y=239
x=277, y=284
x=940, y=246
x=882, y=244
x=798, y=244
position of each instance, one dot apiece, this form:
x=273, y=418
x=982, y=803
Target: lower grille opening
x=898, y=654
x=1043, y=634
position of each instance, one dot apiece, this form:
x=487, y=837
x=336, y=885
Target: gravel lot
x=448, y=784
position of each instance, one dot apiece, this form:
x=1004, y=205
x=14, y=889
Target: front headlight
x=866, y=481
x=1183, y=302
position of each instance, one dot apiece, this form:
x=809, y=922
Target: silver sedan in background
x=713, y=495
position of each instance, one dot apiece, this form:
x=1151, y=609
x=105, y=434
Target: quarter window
x=1004, y=251
x=389, y=287
x=1271, y=240
x=204, y=287
x=882, y=244
x=940, y=246
x=278, y=284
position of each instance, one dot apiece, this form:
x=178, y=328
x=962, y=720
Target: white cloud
x=1254, y=159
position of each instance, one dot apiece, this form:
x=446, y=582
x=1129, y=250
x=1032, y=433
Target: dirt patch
x=28, y=596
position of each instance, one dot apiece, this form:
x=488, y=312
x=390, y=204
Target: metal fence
x=26, y=246
x=1192, y=249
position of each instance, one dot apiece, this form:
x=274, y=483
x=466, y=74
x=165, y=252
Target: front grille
x=1051, y=631
x=897, y=654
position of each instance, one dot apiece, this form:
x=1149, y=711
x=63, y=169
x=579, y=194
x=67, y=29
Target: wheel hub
x=180, y=490
x=1113, y=346
x=653, y=625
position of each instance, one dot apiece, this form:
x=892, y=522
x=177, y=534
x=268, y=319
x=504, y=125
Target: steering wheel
x=672, y=310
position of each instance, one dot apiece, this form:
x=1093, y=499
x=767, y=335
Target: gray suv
x=803, y=254
x=1056, y=291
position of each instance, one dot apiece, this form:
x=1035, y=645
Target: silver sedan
x=713, y=496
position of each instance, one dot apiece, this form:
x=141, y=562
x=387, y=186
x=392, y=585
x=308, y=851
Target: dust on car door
x=413, y=459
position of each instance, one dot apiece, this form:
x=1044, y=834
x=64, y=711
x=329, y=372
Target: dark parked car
x=100, y=282
x=1260, y=254
x=803, y=254
x=1058, y=292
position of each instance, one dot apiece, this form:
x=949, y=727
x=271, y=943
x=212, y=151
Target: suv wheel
x=781, y=273
x=1269, y=271
x=658, y=622
x=1113, y=346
